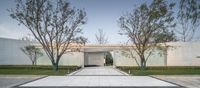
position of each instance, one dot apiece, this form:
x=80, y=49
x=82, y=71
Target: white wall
x=11, y=54
x=72, y=58
x=124, y=59
x=119, y=59
x=183, y=54
x=179, y=54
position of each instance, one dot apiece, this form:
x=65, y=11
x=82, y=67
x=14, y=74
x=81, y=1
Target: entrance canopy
x=100, y=48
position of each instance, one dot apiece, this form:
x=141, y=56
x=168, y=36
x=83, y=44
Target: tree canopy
x=54, y=24
x=148, y=26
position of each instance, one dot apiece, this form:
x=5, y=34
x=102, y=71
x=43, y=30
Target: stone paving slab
x=98, y=77
x=7, y=81
x=189, y=81
x=99, y=71
x=98, y=81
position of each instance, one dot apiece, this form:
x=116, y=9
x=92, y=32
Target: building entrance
x=94, y=59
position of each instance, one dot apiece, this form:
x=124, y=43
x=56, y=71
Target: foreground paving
x=98, y=77
x=98, y=81
x=189, y=81
x=7, y=81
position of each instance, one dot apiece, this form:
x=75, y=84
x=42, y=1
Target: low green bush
x=163, y=70
x=160, y=67
x=35, y=70
x=36, y=67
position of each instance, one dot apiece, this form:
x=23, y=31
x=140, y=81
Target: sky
x=101, y=14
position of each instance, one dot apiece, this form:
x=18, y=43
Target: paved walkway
x=189, y=81
x=98, y=71
x=7, y=81
x=98, y=77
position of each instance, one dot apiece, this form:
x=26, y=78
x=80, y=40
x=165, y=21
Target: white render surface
x=183, y=54
x=102, y=80
x=71, y=58
x=178, y=54
x=11, y=54
x=124, y=58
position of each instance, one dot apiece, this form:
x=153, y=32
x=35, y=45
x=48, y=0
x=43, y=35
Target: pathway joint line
x=122, y=72
x=168, y=82
x=100, y=87
x=18, y=86
x=73, y=73
x=97, y=75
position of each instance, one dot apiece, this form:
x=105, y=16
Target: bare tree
x=32, y=52
x=188, y=20
x=101, y=37
x=54, y=25
x=147, y=27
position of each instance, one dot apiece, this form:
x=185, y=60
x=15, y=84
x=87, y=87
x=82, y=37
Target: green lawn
x=162, y=70
x=35, y=70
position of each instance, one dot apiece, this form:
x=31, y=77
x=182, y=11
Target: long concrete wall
x=70, y=58
x=123, y=58
x=183, y=54
x=11, y=54
x=178, y=54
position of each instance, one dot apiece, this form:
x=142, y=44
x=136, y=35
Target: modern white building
x=178, y=54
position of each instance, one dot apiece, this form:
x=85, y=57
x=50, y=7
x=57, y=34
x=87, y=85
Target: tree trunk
x=32, y=60
x=33, y=63
x=35, y=58
x=55, y=67
x=143, y=63
x=55, y=64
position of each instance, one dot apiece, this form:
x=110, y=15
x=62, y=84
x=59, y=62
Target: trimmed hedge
x=160, y=67
x=36, y=67
x=35, y=70
x=163, y=70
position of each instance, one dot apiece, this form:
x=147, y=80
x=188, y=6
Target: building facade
x=178, y=54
